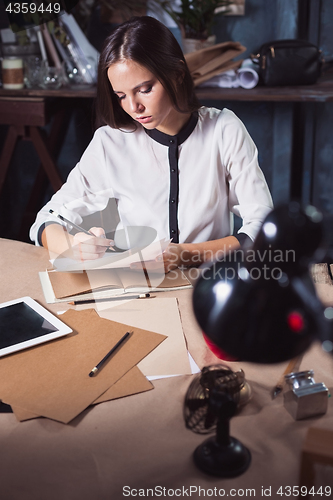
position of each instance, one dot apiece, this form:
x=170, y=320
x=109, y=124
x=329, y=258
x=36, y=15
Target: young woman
x=170, y=164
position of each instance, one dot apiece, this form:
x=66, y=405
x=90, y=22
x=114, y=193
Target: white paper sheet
x=113, y=259
x=170, y=358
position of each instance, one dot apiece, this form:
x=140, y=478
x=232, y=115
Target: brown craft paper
x=160, y=315
x=52, y=379
x=206, y=63
x=69, y=284
x=133, y=382
x=66, y=284
x=22, y=414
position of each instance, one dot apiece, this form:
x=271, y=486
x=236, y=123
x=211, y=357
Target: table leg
x=317, y=448
x=7, y=153
x=55, y=141
x=307, y=474
x=46, y=158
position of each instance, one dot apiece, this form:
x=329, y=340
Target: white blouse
x=183, y=186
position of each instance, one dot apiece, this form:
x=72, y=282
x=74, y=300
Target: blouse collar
x=179, y=138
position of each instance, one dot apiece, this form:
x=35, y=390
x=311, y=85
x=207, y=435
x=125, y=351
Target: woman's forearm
x=194, y=254
x=81, y=246
x=56, y=239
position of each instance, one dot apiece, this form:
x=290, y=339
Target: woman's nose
x=136, y=106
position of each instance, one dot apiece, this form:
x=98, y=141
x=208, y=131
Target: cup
x=12, y=73
x=53, y=78
x=80, y=76
x=34, y=71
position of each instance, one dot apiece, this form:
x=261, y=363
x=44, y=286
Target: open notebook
x=105, y=283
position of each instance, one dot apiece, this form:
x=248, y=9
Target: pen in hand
x=106, y=357
x=76, y=226
x=61, y=217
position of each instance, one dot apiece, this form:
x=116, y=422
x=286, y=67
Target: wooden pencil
x=292, y=365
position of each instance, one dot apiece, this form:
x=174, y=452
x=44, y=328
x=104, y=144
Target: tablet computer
x=25, y=323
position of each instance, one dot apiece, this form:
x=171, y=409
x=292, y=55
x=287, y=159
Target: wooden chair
x=25, y=116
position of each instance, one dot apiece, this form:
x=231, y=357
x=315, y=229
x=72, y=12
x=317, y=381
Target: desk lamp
x=260, y=305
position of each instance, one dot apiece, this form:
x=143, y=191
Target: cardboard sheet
x=133, y=382
x=206, y=63
x=22, y=414
x=160, y=315
x=98, y=283
x=53, y=380
x=117, y=280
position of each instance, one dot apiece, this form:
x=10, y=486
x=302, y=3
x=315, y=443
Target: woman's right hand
x=87, y=247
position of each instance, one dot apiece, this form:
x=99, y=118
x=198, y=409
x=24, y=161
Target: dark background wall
x=309, y=156
x=271, y=125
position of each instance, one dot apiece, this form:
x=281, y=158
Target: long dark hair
x=149, y=43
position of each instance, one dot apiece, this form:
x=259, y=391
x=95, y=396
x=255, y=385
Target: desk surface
x=322, y=91
x=141, y=441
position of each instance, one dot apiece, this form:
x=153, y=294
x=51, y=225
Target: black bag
x=288, y=62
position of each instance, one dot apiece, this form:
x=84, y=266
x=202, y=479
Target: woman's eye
x=146, y=91
x=120, y=97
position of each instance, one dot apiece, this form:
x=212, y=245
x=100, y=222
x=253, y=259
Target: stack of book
x=68, y=46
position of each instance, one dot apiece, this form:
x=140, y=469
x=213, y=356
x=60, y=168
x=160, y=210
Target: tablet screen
x=19, y=323
x=25, y=323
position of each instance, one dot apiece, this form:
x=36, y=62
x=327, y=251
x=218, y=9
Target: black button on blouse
x=173, y=142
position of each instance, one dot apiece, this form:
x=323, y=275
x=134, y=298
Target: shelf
x=322, y=91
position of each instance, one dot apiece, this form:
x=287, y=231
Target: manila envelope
x=133, y=382
x=52, y=380
x=161, y=316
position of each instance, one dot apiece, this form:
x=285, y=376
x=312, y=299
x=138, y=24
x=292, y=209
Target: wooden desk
x=141, y=441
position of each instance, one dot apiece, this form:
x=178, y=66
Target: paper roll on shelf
x=246, y=76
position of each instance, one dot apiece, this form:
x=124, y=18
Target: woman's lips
x=144, y=119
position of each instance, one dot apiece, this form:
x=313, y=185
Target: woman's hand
x=81, y=246
x=170, y=259
x=190, y=254
x=87, y=247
